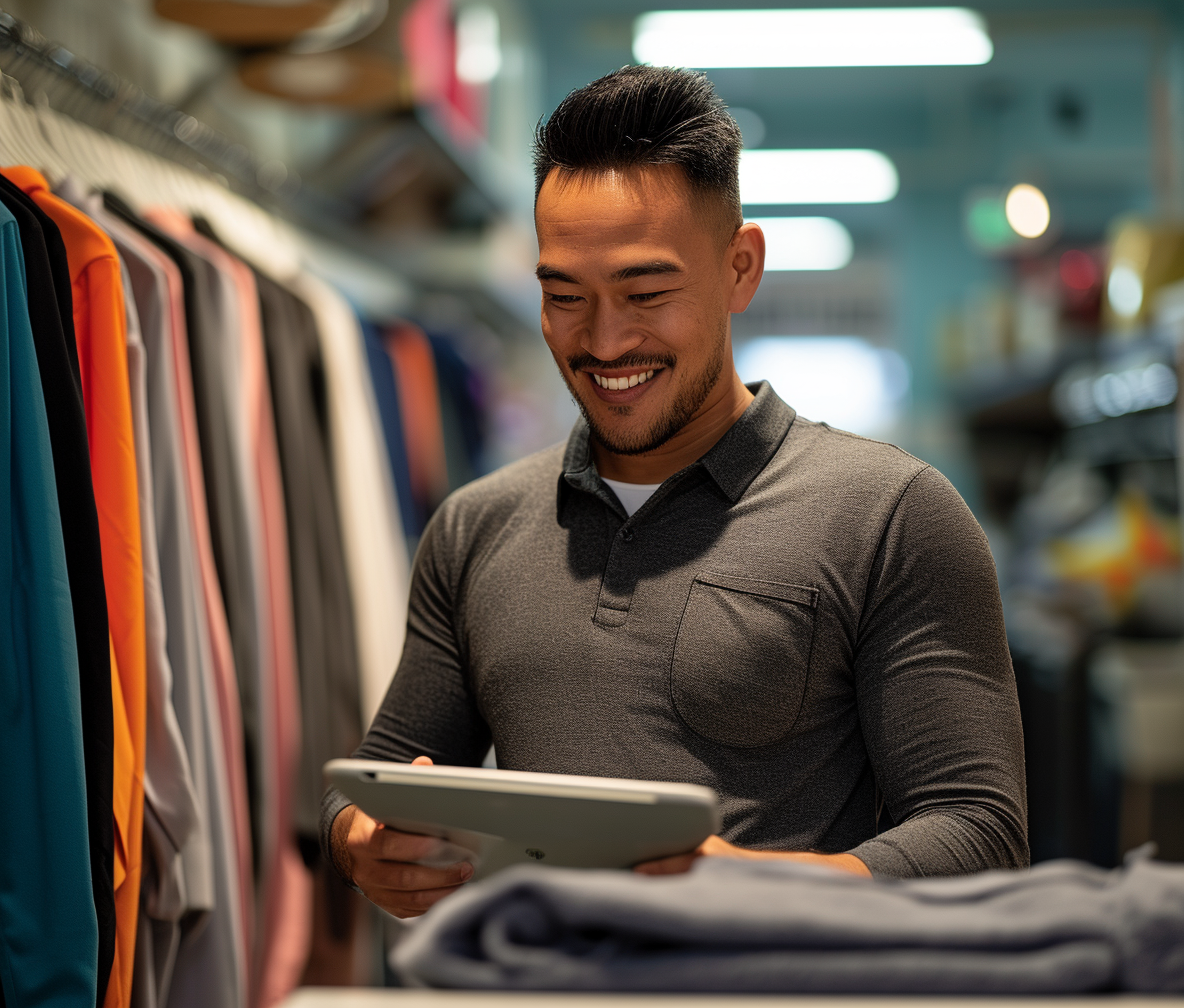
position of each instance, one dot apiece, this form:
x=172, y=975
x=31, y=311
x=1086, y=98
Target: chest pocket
x=741, y=658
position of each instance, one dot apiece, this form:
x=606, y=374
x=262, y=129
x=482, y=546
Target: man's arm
x=715, y=846
x=937, y=697
x=429, y=709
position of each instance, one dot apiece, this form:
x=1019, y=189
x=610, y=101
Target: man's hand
x=379, y=860
x=715, y=846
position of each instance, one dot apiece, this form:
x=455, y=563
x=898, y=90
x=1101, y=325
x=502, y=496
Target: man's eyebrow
x=655, y=268
x=545, y=272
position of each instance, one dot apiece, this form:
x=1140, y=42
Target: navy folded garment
x=775, y=926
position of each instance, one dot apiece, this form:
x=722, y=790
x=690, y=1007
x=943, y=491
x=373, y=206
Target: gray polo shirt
x=805, y=620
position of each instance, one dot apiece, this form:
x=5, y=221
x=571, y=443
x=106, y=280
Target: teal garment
x=49, y=935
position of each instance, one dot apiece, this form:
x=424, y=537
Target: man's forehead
x=637, y=199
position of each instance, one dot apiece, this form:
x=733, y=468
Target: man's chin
x=632, y=438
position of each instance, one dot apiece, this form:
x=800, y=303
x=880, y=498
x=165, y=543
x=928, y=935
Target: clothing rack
x=48, y=72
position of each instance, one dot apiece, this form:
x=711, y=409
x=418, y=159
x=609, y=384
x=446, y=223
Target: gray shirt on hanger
x=805, y=620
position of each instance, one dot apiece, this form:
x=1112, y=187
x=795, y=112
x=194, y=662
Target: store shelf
x=1136, y=437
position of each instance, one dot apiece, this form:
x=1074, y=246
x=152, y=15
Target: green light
x=986, y=220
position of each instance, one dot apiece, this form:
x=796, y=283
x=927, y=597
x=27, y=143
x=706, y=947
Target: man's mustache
x=586, y=362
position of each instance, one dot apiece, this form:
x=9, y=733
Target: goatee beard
x=676, y=416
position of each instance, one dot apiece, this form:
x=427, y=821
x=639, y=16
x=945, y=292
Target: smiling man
x=699, y=585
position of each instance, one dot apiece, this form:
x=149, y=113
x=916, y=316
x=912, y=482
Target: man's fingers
x=393, y=845
x=675, y=865
x=404, y=904
x=399, y=875
x=421, y=899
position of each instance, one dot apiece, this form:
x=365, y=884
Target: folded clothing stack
x=776, y=926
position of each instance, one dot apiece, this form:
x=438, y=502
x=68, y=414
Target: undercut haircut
x=640, y=117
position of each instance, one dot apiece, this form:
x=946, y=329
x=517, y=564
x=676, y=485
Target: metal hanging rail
x=50, y=73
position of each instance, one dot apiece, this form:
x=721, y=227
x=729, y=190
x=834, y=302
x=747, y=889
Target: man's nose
x=610, y=334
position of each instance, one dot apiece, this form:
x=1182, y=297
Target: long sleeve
x=429, y=708
x=936, y=693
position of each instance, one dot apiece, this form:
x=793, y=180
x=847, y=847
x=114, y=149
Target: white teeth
x=614, y=384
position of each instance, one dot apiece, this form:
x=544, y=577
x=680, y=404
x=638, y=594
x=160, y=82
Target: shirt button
x=627, y=535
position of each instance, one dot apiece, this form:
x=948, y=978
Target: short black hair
x=642, y=116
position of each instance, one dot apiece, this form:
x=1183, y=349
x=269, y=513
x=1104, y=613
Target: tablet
x=502, y=817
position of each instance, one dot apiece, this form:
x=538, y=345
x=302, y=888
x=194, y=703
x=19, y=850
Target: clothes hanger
x=20, y=143
x=8, y=154
x=51, y=125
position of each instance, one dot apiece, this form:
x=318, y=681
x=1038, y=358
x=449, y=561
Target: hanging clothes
x=171, y=814
x=178, y=893
x=100, y=330
x=213, y=323
x=237, y=597
x=49, y=935
x=419, y=399
x=285, y=893
x=51, y=316
x=326, y=645
x=386, y=394
x=461, y=412
x=215, y=957
x=376, y=556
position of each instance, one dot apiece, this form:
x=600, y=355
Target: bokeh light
x=1027, y=211
x=1078, y=270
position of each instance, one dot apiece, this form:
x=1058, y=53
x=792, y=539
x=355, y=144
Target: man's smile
x=622, y=385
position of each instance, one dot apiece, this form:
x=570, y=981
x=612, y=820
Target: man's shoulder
x=855, y=460
x=530, y=482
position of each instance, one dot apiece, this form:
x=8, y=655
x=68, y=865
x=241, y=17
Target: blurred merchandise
x=1069, y=382
x=242, y=23
x=1143, y=258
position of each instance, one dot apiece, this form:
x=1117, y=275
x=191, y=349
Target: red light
x=1078, y=270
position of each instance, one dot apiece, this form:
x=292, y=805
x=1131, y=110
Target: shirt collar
x=733, y=462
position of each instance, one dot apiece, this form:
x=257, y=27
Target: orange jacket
x=100, y=327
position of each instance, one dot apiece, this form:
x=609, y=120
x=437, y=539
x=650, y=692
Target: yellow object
x=1143, y=258
x=1114, y=551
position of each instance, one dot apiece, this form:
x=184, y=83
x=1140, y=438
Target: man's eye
x=564, y=298
x=648, y=296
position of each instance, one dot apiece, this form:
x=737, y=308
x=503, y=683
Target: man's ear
x=746, y=263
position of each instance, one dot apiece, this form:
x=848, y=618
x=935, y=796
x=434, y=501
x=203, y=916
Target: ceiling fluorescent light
x=804, y=243
x=858, y=36
x=816, y=176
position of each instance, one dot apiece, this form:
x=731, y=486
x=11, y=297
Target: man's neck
x=726, y=404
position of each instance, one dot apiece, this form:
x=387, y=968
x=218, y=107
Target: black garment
x=225, y=495
x=326, y=646
x=800, y=618
x=51, y=313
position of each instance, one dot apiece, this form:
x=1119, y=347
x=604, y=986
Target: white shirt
x=632, y=495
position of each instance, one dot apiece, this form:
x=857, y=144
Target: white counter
x=354, y=997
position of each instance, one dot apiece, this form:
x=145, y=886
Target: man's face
x=637, y=287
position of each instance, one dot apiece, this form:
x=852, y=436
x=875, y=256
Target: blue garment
x=382, y=375
x=49, y=934
x=462, y=405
